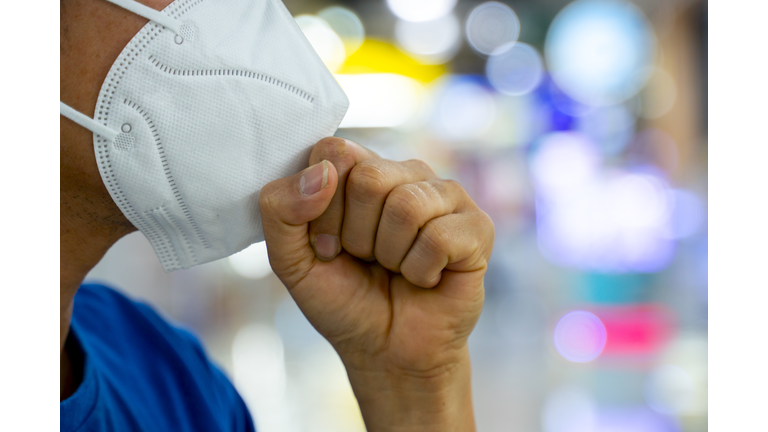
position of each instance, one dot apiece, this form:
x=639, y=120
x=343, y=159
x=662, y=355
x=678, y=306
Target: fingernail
x=314, y=179
x=326, y=246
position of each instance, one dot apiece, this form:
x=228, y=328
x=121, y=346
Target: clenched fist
x=386, y=260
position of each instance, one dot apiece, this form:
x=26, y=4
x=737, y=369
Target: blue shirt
x=142, y=374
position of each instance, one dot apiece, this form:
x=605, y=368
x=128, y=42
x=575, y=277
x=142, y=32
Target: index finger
x=325, y=231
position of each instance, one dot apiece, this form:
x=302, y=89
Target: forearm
x=396, y=401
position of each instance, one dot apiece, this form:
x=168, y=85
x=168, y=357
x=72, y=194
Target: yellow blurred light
x=375, y=56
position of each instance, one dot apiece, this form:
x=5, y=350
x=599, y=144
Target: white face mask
x=209, y=102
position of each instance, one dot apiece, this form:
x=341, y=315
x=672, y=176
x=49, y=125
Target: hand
x=386, y=260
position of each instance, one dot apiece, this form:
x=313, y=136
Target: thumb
x=287, y=206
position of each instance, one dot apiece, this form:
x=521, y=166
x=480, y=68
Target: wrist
x=397, y=399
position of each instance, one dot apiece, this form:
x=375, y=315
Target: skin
x=384, y=258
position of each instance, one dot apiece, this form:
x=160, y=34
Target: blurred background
x=581, y=129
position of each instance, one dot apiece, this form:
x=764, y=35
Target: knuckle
x=490, y=230
x=404, y=207
x=413, y=271
x=435, y=238
x=420, y=166
x=453, y=186
x=450, y=187
x=365, y=181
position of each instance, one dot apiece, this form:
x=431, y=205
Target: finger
x=409, y=207
x=459, y=242
x=325, y=231
x=287, y=205
x=368, y=185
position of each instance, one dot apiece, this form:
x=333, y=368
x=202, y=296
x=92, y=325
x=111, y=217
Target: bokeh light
x=346, y=24
x=465, y=109
x=668, y=389
x=564, y=164
x=658, y=96
x=638, y=201
x=514, y=69
x=377, y=56
x=380, y=100
x=324, y=40
x=579, y=336
x=431, y=42
x=252, y=262
x=491, y=25
x=421, y=10
x=516, y=123
x=591, y=216
x=600, y=52
x=654, y=147
x=686, y=213
x=610, y=127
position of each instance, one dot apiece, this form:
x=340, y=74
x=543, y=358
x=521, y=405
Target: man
x=384, y=258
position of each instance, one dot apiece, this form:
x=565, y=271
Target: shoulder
x=109, y=321
x=148, y=359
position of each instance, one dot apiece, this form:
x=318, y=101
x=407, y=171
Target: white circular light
x=490, y=26
x=421, y=10
x=514, y=69
x=580, y=336
x=324, y=40
x=346, y=25
x=433, y=41
x=600, y=52
x=252, y=262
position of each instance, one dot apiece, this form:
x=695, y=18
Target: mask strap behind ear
x=87, y=122
x=150, y=14
x=141, y=10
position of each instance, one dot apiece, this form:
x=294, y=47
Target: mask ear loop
x=150, y=14
x=141, y=10
x=87, y=122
